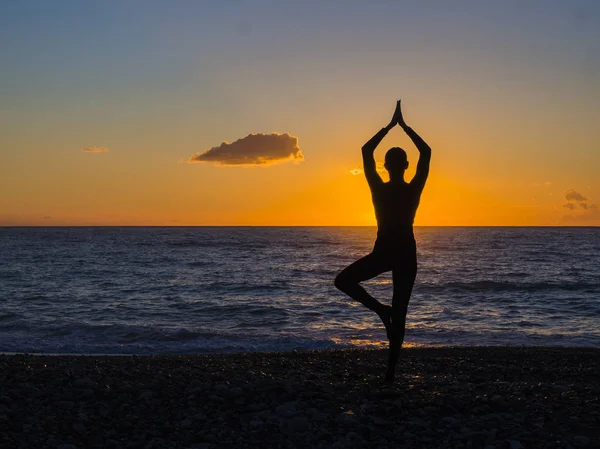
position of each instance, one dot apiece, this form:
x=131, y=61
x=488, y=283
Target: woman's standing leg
x=403, y=277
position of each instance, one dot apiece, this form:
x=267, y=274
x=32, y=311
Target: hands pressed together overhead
x=397, y=118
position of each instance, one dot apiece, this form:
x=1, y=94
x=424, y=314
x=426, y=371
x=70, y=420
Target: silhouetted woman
x=395, y=249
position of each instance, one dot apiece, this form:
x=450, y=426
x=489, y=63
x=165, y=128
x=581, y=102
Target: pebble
x=514, y=444
x=256, y=423
x=65, y=405
x=236, y=392
x=451, y=421
x=87, y=393
x=287, y=408
x=346, y=418
x=221, y=388
x=146, y=395
x=297, y=424
x=85, y=382
x=498, y=400
x=284, y=401
x=581, y=441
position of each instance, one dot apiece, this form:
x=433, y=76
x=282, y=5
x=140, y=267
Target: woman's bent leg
x=363, y=269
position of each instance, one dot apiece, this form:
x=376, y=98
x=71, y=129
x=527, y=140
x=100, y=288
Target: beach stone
x=221, y=388
x=514, y=444
x=66, y=446
x=296, y=424
x=346, y=418
x=113, y=444
x=498, y=400
x=560, y=388
x=450, y=421
x=256, y=423
x=319, y=417
x=581, y=441
x=236, y=391
x=185, y=422
x=87, y=393
x=78, y=427
x=146, y=395
x=287, y=408
x=85, y=382
x=353, y=436
x=65, y=405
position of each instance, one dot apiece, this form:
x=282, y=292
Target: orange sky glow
x=100, y=130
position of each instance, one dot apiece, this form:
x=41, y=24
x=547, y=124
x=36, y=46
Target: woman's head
x=396, y=160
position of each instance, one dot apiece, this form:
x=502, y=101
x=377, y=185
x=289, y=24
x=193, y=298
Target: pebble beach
x=452, y=397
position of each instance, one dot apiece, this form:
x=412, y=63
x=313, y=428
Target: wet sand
x=467, y=397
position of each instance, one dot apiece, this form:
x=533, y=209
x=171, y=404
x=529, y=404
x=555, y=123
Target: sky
x=254, y=112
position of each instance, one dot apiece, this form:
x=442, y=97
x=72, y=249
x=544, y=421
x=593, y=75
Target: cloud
x=95, y=150
x=584, y=210
x=254, y=149
x=572, y=195
x=587, y=206
x=575, y=199
x=359, y=171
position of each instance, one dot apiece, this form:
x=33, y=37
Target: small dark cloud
x=584, y=210
x=572, y=195
x=576, y=199
x=254, y=149
x=95, y=150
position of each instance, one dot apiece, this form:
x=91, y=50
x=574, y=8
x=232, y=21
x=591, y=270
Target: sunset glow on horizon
x=254, y=113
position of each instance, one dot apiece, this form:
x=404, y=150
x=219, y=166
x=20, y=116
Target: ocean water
x=153, y=290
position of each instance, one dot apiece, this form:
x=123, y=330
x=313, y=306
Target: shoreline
x=406, y=346
x=448, y=397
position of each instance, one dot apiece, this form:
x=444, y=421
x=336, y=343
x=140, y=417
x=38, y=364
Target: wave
x=499, y=286
x=149, y=340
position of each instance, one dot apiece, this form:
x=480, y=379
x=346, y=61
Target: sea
x=193, y=290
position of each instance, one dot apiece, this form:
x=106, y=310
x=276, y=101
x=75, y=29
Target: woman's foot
x=393, y=356
x=389, y=376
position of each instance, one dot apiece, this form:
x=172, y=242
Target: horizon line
x=293, y=226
